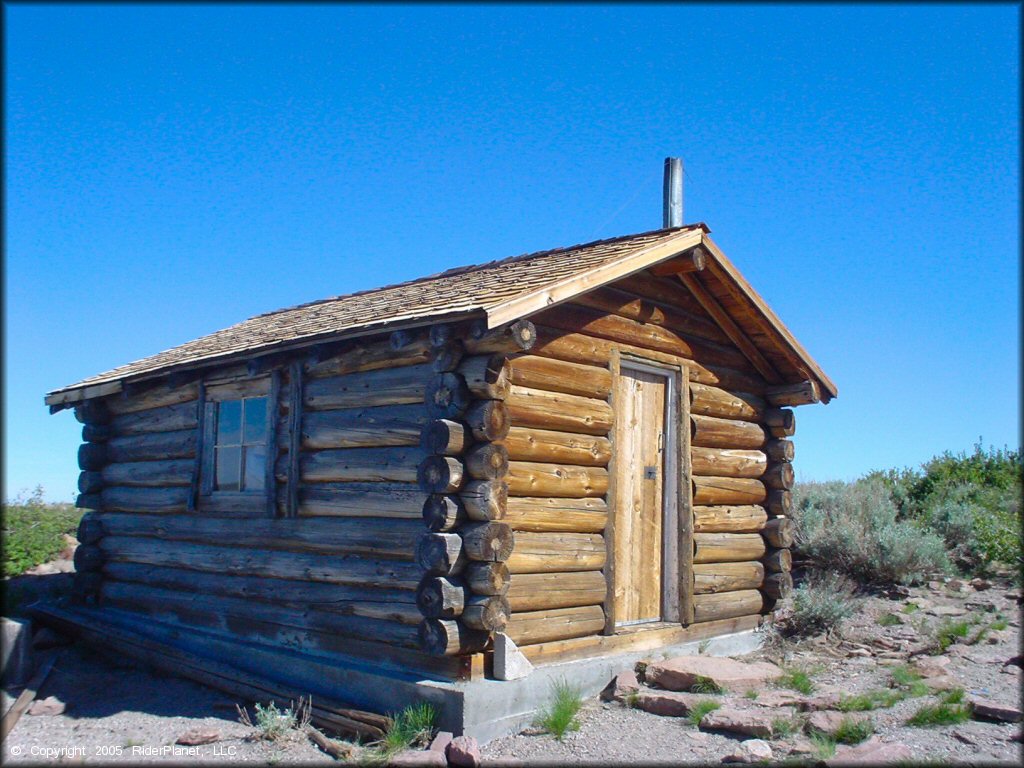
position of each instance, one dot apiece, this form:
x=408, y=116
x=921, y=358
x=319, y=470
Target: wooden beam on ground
x=12, y=715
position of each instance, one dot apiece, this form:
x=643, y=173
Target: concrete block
x=16, y=652
x=509, y=662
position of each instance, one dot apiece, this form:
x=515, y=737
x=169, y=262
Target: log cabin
x=564, y=455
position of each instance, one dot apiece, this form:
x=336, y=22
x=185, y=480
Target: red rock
x=872, y=752
x=986, y=709
x=745, y=721
x=780, y=699
x=47, y=707
x=441, y=741
x=464, y=751
x=750, y=751
x=941, y=683
x=196, y=736
x=680, y=673
x=416, y=758
x=829, y=721
x=822, y=701
x=932, y=666
x=666, y=703
x=621, y=686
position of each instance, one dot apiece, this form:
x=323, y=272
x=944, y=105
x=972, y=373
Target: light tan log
x=368, y=465
x=803, y=393
x=444, y=437
x=712, y=432
x=154, y=396
x=727, y=547
x=485, y=499
x=487, y=420
x=448, y=356
x=528, y=478
x=728, y=462
x=364, y=356
x=555, y=624
x=489, y=542
x=781, y=422
x=486, y=612
x=691, y=261
x=487, y=578
x=581, y=348
x=448, y=637
x=440, y=474
x=535, y=372
x=440, y=554
x=543, y=591
x=486, y=461
x=389, y=425
x=779, y=502
x=726, y=605
x=443, y=513
x=388, y=500
x=778, y=532
x=351, y=569
x=780, y=450
x=727, y=577
x=725, y=519
x=778, y=561
x=706, y=400
x=555, y=552
x=649, y=299
x=576, y=318
x=728, y=490
x=519, y=336
x=487, y=376
x=151, y=447
x=386, y=386
x=545, y=445
x=669, y=292
x=778, y=586
x=168, y=418
x=438, y=597
x=525, y=513
x=780, y=476
x=558, y=411
x=152, y=474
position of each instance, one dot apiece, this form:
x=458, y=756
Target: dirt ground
x=117, y=711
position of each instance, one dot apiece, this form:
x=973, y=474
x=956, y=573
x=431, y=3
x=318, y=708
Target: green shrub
x=700, y=709
x=852, y=528
x=796, y=680
x=821, y=604
x=705, y=685
x=559, y=716
x=853, y=731
x=33, y=531
x=875, y=699
x=824, y=746
x=889, y=620
x=949, y=632
x=949, y=710
x=414, y=725
x=908, y=680
x=273, y=723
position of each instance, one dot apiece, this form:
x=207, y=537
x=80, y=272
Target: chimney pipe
x=672, y=193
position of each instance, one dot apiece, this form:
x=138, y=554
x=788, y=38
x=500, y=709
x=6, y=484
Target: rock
x=956, y=585
x=821, y=702
x=900, y=591
x=801, y=745
x=1010, y=669
x=46, y=638
x=932, y=666
x=941, y=683
x=981, y=584
x=829, y=721
x=441, y=741
x=964, y=738
x=464, y=751
x=745, y=721
x=986, y=709
x=666, y=703
x=872, y=752
x=49, y=706
x=680, y=673
x=750, y=751
x=196, y=736
x=780, y=699
x=621, y=686
x=935, y=586
x=699, y=736
x=509, y=661
x=995, y=637
x=861, y=652
x=414, y=758
x=946, y=610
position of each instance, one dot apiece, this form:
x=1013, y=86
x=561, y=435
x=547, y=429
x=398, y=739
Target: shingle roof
x=462, y=290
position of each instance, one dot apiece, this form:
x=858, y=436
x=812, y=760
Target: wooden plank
x=613, y=494
x=25, y=698
x=294, y=433
x=201, y=435
x=273, y=416
x=685, y=511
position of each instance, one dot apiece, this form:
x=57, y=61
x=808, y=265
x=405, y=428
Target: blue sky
x=173, y=170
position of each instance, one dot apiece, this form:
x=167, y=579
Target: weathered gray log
x=446, y=637
x=780, y=450
x=440, y=554
x=370, y=465
x=487, y=420
x=88, y=557
x=779, y=476
x=92, y=412
x=90, y=529
x=440, y=474
x=778, y=532
x=90, y=482
x=389, y=425
x=168, y=418
x=779, y=502
x=385, y=386
x=92, y=456
x=386, y=500
x=448, y=356
x=487, y=578
x=152, y=447
x=370, y=354
x=802, y=393
x=443, y=333
x=438, y=597
x=486, y=612
x=123, y=499
x=146, y=396
x=447, y=396
x=781, y=421
x=778, y=585
x=86, y=585
x=444, y=437
x=487, y=541
x=487, y=461
x=402, y=338
x=778, y=561
x=442, y=513
x=96, y=433
x=485, y=499
x=487, y=376
x=152, y=474
x=519, y=336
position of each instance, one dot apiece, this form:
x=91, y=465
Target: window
x=240, y=448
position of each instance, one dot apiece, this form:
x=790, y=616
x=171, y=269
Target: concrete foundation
x=485, y=709
x=15, y=652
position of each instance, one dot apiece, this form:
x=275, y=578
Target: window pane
x=228, y=460
x=255, y=467
x=255, y=420
x=229, y=421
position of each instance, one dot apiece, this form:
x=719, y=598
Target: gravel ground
x=120, y=712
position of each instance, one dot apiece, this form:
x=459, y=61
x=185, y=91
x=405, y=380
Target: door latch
x=650, y=473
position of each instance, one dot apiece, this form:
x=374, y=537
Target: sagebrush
x=821, y=604
x=33, y=531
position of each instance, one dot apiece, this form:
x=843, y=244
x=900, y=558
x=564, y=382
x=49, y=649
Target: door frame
x=677, y=510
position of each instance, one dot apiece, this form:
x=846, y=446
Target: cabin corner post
x=462, y=594
x=778, y=529
x=93, y=457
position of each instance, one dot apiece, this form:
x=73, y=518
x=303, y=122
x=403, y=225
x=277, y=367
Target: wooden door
x=641, y=400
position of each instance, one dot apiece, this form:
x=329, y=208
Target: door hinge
x=650, y=473
x=661, y=441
